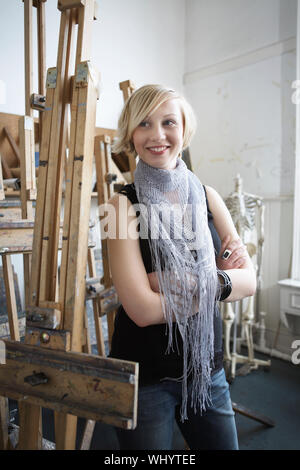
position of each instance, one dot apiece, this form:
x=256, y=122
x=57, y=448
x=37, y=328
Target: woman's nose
x=158, y=132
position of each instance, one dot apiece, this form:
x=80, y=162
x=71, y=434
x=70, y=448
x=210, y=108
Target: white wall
x=218, y=30
x=240, y=64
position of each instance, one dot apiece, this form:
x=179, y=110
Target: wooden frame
x=17, y=237
x=128, y=88
x=84, y=385
x=11, y=122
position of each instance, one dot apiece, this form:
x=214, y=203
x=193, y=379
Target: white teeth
x=158, y=149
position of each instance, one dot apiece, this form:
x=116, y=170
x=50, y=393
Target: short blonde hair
x=142, y=103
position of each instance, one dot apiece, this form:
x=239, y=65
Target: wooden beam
x=4, y=421
x=2, y=196
x=63, y=5
x=29, y=414
x=16, y=236
x=41, y=28
x=80, y=384
x=79, y=188
x=41, y=39
x=103, y=165
x=84, y=37
x=48, y=338
x=48, y=316
x=6, y=170
x=43, y=170
x=101, y=168
x=28, y=56
x=96, y=308
x=27, y=164
x=11, y=302
x=36, y=3
x=55, y=158
x=12, y=143
x=127, y=88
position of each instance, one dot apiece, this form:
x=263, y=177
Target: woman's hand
x=174, y=282
x=153, y=280
x=237, y=258
x=176, y=290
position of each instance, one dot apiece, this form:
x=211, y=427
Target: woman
x=169, y=275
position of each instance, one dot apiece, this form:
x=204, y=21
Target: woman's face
x=158, y=139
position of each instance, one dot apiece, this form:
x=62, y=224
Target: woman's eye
x=169, y=122
x=144, y=124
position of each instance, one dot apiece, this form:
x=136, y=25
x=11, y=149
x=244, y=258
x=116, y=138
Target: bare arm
x=141, y=303
x=243, y=278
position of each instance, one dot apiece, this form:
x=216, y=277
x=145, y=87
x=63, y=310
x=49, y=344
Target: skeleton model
x=245, y=209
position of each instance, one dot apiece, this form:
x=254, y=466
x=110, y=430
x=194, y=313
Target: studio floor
x=275, y=394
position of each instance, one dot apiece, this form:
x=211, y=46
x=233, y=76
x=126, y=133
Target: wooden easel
x=128, y=88
x=55, y=320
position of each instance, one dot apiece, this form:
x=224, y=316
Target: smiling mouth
x=158, y=150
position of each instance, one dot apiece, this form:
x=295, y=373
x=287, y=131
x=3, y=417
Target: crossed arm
x=138, y=291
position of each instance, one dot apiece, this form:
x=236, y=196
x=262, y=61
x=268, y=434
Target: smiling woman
x=160, y=135
x=169, y=284
x=142, y=106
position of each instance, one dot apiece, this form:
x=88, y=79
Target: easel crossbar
x=81, y=384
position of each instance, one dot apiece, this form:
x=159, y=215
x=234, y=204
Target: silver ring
x=226, y=254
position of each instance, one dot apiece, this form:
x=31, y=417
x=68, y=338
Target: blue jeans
x=159, y=406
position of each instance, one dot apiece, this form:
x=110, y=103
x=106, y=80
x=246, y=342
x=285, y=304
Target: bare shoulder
x=213, y=196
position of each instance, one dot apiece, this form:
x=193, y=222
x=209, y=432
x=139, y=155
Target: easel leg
x=30, y=436
x=65, y=431
x=88, y=434
x=10, y=298
x=96, y=307
x=4, y=419
x=26, y=270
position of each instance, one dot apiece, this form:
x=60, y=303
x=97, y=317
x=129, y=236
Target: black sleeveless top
x=148, y=345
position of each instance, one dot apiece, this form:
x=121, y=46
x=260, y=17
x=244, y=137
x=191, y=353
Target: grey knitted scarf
x=174, y=217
